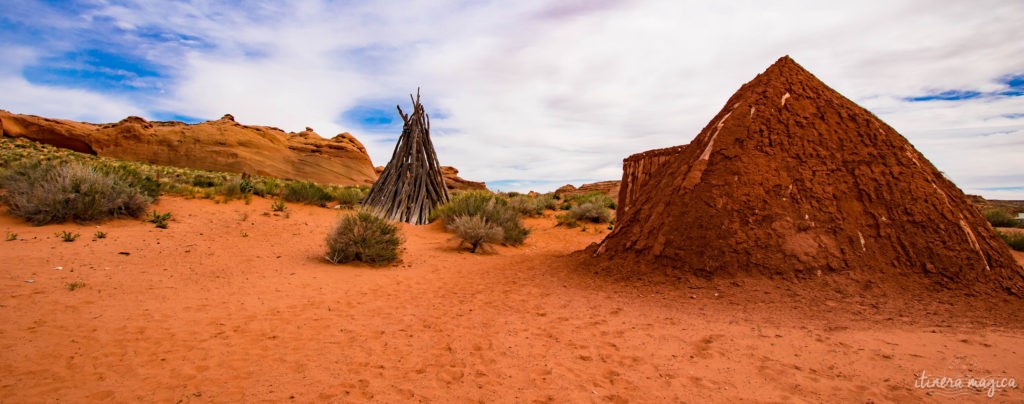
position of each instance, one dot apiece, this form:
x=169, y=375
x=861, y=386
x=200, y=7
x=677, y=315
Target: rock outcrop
x=221, y=145
x=456, y=183
x=452, y=180
x=609, y=188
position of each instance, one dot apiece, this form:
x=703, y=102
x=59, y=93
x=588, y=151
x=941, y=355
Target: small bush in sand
x=267, y=186
x=594, y=198
x=475, y=231
x=74, y=285
x=239, y=187
x=586, y=212
x=526, y=205
x=493, y=209
x=67, y=236
x=204, y=181
x=363, y=237
x=100, y=234
x=12, y=236
x=547, y=202
x=43, y=193
x=159, y=219
x=278, y=206
x=1013, y=239
x=246, y=185
x=349, y=197
x=1000, y=218
x=306, y=192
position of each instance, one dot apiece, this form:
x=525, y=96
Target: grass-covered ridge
x=154, y=180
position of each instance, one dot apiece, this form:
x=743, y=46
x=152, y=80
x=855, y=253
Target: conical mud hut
x=793, y=179
x=412, y=183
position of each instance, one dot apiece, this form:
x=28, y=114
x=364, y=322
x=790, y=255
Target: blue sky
x=528, y=94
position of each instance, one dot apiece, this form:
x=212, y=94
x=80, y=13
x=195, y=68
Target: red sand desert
x=230, y=305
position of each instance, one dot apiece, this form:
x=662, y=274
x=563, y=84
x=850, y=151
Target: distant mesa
x=221, y=145
x=791, y=179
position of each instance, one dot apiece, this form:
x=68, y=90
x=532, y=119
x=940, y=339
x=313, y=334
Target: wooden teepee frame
x=411, y=185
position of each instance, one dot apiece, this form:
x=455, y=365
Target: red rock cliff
x=221, y=145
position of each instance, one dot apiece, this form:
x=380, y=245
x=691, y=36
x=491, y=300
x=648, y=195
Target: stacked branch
x=411, y=185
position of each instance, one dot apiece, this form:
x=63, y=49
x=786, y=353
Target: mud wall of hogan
x=637, y=170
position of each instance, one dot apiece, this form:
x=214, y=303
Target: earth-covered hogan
x=791, y=179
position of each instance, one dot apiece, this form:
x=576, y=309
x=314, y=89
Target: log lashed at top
x=636, y=171
x=411, y=185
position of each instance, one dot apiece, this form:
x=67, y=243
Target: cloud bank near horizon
x=532, y=94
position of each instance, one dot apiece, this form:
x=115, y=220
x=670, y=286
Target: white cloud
x=544, y=93
x=17, y=95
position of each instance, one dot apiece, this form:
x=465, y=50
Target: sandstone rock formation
x=452, y=180
x=222, y=145
x=609, y=188
x=792, y=179
x=456, y=183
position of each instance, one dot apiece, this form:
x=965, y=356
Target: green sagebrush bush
x=351, y=196
x=595, y=198
x=306, y=192
x=1014, y=240
x=586, y=212
x=363, y=237
x=43, y=193
x=1000, y=218
x=475, y=231
x=489, y=207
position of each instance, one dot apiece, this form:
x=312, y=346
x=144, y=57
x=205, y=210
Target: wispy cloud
x=528, y=94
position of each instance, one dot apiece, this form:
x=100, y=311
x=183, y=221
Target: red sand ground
x=198, y=312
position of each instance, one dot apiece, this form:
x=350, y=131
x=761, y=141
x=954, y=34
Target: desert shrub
x=475, y=231
x=1013, y=239
x=232, y=189
x=129, y=175
x=267, y=186
x=159, y=219
x=1000, y=218
x=44, y=193
x=278, y=206
x=595, y=198
x=204, y=181
x=67, y=236
x=363, y=237
x=246, y=185
x=185, y=190
x=525, y=205
x=350, y=196
x=306, y=192
x=464, y=204
x=546, y=201
x=586, y=212
x=493, y=209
